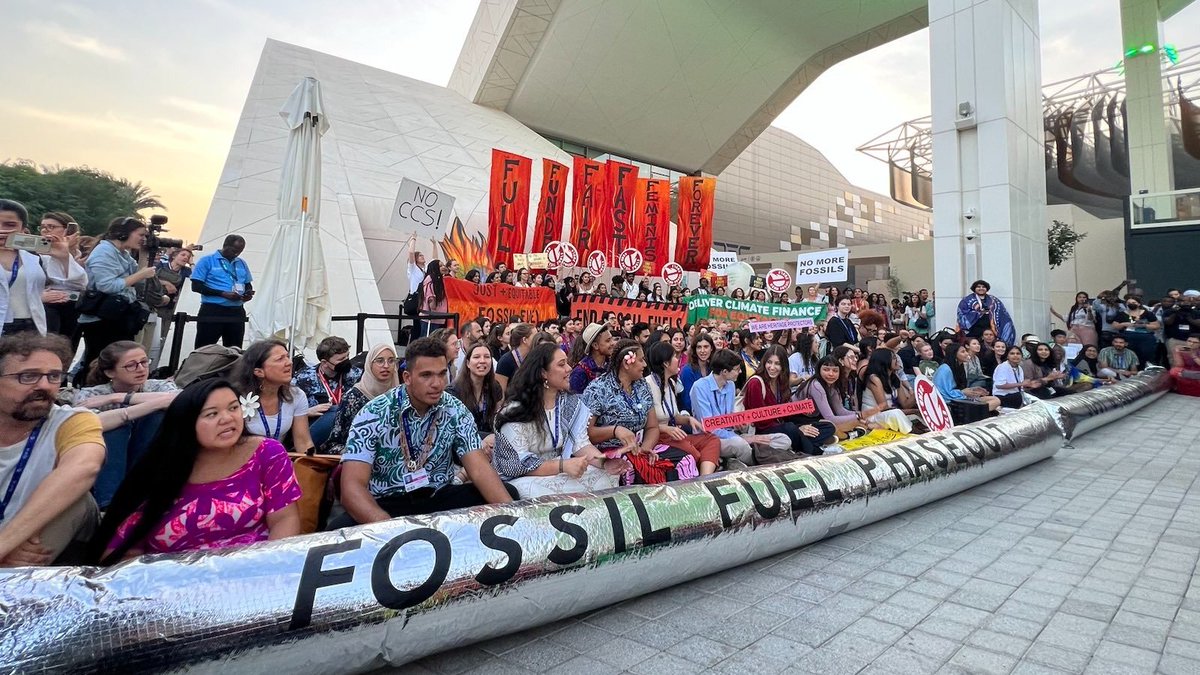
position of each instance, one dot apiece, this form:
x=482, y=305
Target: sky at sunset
x=152, y=91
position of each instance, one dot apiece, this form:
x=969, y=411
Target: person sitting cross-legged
x=49, y=454
x=1118, y=362
x=399, y=456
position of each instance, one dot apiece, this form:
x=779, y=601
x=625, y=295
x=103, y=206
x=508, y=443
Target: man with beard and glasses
x=49, y=454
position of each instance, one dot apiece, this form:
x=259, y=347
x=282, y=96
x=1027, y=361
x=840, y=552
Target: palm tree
x=142, y=196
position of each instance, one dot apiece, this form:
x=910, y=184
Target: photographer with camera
x=27, y=263
x=60, y=296
x=110, y=310
x=224, y=282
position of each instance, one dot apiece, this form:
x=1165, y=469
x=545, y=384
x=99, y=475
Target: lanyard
x=553, y=424
x=230, y=268
x=278, y=421
x=335, y=394
x=20, y=468
x=850, y=330
x=1017, y=376
x=668, y=404
x=410, y=462
x=16, y=268
x=517, y=356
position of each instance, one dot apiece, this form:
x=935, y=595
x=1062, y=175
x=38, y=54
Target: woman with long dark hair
x=697, y=366
x=887, y=400
x=433, y=297
x=520, y=341
x=542, y=445
x=1009, y=379
x=204, y=484
x=771, y=385
x=676, y=425
x=951, y=379
x=802, y=364
x=263, y=376
x=826, y=392
x=497, y=340
x=476, y=386
x=1041, y=369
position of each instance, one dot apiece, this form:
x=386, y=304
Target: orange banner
x=621, y=186
x=587, y=205
x=652, y=223
x=694, y=241
x=498, y=302
x=551, y=205
x=592, y=308
x=508, y=206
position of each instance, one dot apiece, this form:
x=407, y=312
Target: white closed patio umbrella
x=292, y=300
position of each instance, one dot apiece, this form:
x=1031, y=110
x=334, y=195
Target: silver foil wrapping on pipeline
x=389, y=593
x=1080, y=413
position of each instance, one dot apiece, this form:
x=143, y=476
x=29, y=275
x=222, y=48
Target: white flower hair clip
x=249, y=404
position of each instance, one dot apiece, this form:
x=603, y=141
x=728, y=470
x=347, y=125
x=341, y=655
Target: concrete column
x=1150, y=164
x=985, y=61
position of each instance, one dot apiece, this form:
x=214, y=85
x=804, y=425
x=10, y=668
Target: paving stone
x=1067, y=566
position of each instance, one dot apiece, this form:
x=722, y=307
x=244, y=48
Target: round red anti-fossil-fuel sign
x=672, y=273
x=779, y=281
x=630, y=260
x=597, y=263
x=931, y=405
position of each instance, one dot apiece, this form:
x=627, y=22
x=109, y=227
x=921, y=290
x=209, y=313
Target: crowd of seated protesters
x=492, y=412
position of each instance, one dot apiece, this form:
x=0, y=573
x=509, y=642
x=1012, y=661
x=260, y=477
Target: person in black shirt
x=840, y=330
x=520, y=341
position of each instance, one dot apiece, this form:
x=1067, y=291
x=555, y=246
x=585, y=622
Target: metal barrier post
x=180, y=321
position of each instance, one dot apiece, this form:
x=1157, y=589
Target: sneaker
x=857, y=432
x=834, y=449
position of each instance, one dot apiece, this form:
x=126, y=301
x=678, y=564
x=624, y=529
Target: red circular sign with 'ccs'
x=672, y=273
x=597, y=263
x=779, y=281
x=630, y=260
x=931, y=405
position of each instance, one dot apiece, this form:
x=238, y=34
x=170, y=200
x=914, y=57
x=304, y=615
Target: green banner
x=722, y=308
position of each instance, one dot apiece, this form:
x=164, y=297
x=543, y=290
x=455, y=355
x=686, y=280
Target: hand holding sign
x=630, y=260
x=672, y=273
x=597, y=262
x=421, y=209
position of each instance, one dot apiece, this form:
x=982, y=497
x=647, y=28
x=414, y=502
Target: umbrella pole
x=296, y=302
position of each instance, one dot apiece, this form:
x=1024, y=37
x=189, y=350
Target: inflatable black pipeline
x=389, y=593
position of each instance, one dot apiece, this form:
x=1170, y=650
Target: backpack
x=205, y=363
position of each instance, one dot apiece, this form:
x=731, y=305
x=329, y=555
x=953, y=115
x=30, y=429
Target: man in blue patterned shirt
x=325, y=383
x=400, y=454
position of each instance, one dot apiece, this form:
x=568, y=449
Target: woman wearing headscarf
x=379, y=377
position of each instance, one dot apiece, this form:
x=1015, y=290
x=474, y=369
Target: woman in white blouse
x=1009, y=381
x=542, y=445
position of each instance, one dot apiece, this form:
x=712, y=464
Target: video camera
x=154, y=241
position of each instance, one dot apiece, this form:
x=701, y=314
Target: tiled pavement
x=1083, y=563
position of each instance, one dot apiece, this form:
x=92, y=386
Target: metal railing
x=181, y=319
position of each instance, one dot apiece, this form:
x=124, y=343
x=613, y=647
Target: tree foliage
x=93, y=197
x=1062, y=239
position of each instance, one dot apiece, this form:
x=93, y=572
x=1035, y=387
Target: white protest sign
x=780, y=324
x=630, y=260
x=672, y=273
x=421, y=209
x=817, y=267
x=597, y=262
x=931, y=405
x=719, y=261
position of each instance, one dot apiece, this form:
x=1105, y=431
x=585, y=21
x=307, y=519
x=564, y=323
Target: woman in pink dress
x=202, y=484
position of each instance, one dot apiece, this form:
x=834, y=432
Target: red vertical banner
x=694, y=241
x=652, y=223
x=587, y=204
x=508, y=205
x=551, y=204
x=620, y=185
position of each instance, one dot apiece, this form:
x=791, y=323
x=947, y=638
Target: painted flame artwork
x=471, y=252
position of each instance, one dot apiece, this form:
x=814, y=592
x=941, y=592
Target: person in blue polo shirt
x=223, y=281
